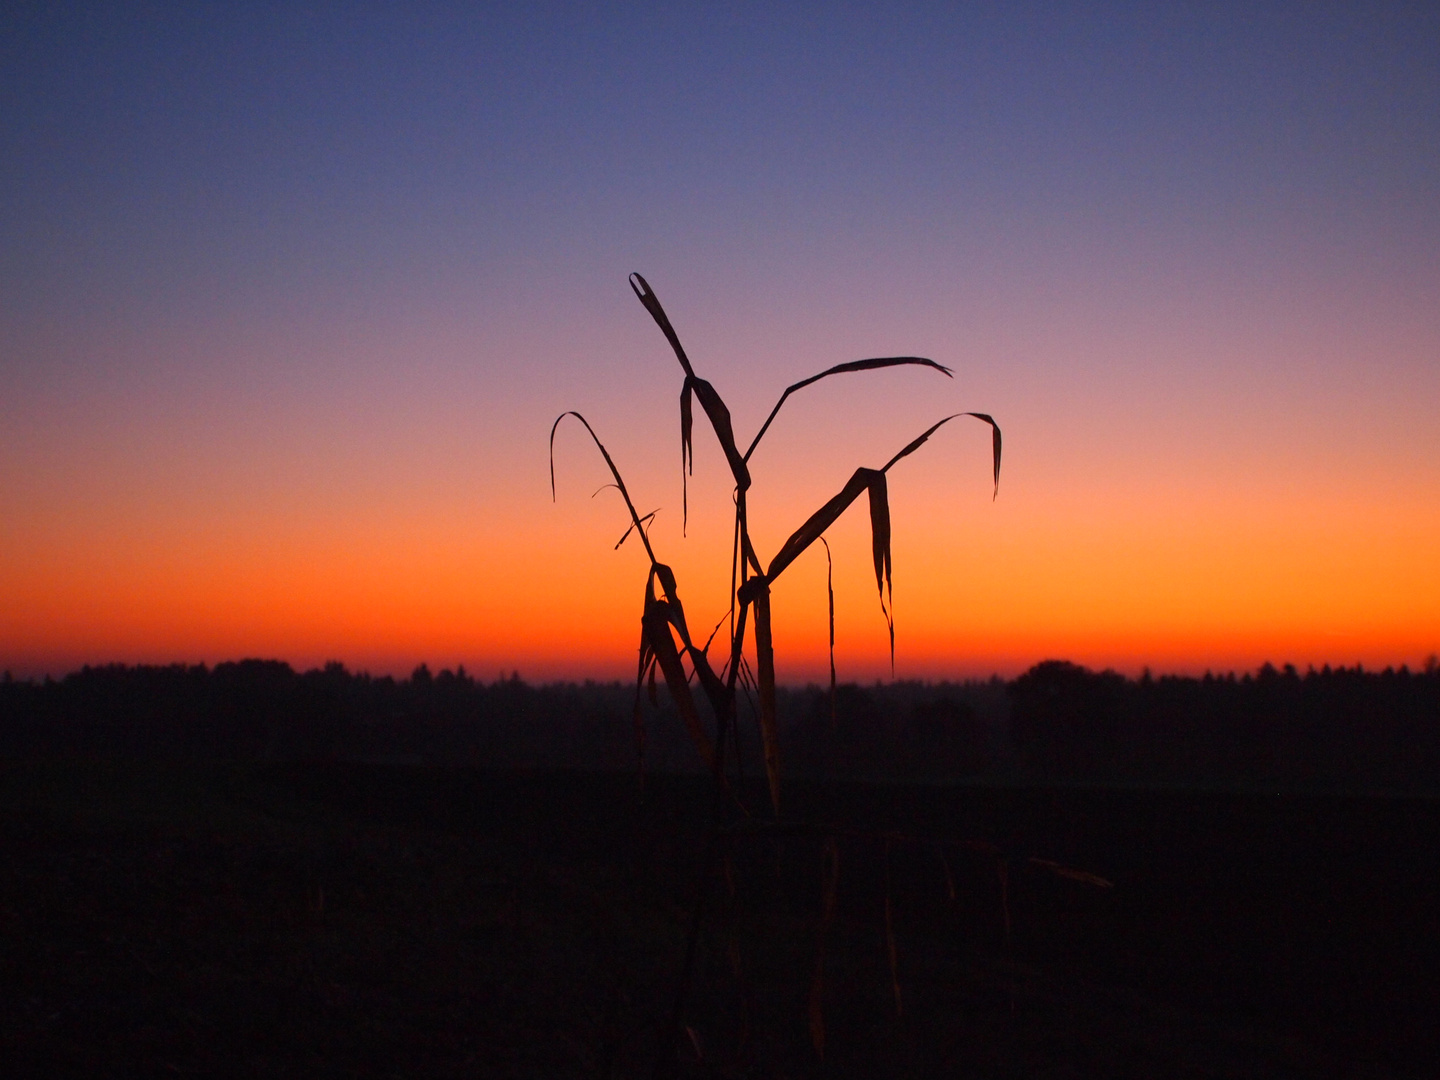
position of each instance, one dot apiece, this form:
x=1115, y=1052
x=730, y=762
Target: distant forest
x=1343, y=728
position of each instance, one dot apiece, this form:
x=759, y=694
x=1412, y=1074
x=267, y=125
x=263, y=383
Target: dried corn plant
x=666, y=640
x=668, y=647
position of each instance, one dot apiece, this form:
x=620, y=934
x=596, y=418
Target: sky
x=290, y=297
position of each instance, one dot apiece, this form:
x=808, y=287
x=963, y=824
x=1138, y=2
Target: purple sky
x=280, y=288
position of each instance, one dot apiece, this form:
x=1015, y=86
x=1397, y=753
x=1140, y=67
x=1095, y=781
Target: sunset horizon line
x=505, y=674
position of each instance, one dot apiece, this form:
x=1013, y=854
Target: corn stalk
x=666, y=643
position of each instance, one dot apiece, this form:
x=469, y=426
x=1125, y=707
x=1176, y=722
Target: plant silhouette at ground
x=667, y=642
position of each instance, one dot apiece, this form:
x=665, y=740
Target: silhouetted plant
x=666, y=641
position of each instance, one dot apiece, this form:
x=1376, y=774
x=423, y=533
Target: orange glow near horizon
x=287, y=312
x=1184, y=510
x=1220, y=583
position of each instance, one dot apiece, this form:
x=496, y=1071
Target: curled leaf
x=610, y=464
x=919, y=442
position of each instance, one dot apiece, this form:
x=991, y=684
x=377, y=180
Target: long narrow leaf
x=765, y=675
x=615, y=472
x=710, y=399
x=676, y=612
x=687, y=454
x=657, y=631
x=648, y=517
x=715, y=689
x=880, y=548
x=842, y=369
x=995, y=445
x=872, y=481
x=719, y=416
x=920, y=441
x=647, y=296
x=830, y=596
x=818, y=522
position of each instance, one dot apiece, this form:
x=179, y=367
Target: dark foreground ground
x=349, y=920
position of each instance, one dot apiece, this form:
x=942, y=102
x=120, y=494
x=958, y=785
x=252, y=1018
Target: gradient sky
x=289, y=299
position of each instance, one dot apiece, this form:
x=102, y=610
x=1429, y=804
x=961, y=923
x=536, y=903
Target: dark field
x=341, y=919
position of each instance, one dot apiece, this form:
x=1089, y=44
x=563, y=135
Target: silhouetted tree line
x=1343, y=727
x=265, y=710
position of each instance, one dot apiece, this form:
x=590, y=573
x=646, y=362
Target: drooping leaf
x=666, y=576
x=657, y=621
x=830, y=596
x=674, y=614
x=862, y=480
x=610, y=464
x=719, y=416
x=880, y=548
x=874, y=483
x=868, y=480
x=710, y=399
x=765, y=676
x=911, y=447
x=735, y=575
x=687, y=454
x=715, y=690
x=995, y=445
x=664, y=617
x=842, y=369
